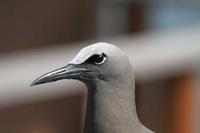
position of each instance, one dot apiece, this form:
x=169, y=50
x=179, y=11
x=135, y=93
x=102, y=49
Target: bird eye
x=97, y=59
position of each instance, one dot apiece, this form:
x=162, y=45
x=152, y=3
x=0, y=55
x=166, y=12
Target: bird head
x=97, y=63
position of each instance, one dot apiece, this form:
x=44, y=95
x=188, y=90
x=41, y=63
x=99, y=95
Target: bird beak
x=70, y=71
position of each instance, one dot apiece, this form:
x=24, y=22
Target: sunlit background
x=161, y=38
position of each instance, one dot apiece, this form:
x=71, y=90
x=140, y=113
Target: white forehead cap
x=96, y=48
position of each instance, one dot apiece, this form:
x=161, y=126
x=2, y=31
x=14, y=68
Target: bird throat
x=102, y=111
x=90, y=125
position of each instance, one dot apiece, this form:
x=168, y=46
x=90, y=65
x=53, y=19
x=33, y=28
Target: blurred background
x=161, y=39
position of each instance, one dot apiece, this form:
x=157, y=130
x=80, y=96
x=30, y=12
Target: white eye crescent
x=97, y=59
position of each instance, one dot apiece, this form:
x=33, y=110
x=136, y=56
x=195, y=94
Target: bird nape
x=107, y=73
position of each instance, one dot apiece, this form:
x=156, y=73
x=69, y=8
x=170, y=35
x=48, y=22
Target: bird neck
x=90, y=125
x=111, y=109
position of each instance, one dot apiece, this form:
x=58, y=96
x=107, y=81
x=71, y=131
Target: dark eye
x=97, y=59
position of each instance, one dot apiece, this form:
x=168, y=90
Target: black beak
x=70, y=71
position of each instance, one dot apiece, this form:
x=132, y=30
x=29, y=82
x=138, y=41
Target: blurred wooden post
x=136, y=18
x=183, y=105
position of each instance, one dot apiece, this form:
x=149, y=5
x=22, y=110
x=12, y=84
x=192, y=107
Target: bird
x=108, y=75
